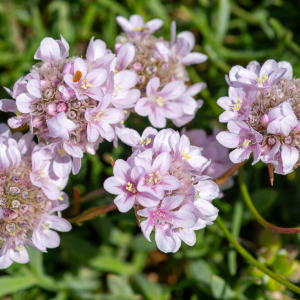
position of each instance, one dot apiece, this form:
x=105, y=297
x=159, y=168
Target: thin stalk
x=259, y=218
x=252, y=260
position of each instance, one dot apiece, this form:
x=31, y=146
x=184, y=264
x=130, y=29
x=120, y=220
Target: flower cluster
x=30, y=199
x=263, y=115
x=160, y=66
x=72, y=104
x=163, y=180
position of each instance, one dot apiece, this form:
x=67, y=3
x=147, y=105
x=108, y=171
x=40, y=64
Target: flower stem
x=259, y=218
x=251, y=259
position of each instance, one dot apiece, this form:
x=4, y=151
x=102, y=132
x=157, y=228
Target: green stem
x=251, y=259
x=259, y=218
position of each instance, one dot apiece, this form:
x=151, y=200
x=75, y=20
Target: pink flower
x=100, y=118
x=212, y=150
x=132, y=138
x=189, y=105
x=123, y=96
x=255, y=76
x=181, y=49
x=237, y=105
x=158, y=105
x=86, y=84
x=125, y=55
x=60, y=126
x=135, y=28
x=281, y=119
x=243, y=137
x=164, y=219
x=52, y=50
x=124, y=184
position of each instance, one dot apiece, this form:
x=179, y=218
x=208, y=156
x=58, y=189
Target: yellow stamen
x=142, y=142
x=125, y=111
x=89, y=84
x=18, y=113
x=158, y=175
x=160, y=101
x=19, y=248
x=98, y=117
x=62, y=152
x=197, y=194
x=239, y=100
x=185, y=155
x=262, y=79
x=122, y=122
x=138, y=28
x=236, y=107
x=148, y=141
x=246, y=143
x=83, y=86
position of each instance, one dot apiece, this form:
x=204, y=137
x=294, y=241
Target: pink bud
x=61, y=107
x=137, y=66
x=68, y=69
x=24, y=209
x=13, y=215
x=51, y=109
x=265, y=120
x=37, y=122
x=44, y=84
x=70, y=94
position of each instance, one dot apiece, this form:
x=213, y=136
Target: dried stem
x=223, y=178
x=92, y=213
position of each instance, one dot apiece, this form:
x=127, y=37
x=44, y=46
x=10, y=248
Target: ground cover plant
x=117, y=124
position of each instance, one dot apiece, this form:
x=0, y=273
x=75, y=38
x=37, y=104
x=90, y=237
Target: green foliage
x=108, y=258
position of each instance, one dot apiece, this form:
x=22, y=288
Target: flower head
x=262, y=115
x=55, y=98
x=162, y=180
x=30, y=200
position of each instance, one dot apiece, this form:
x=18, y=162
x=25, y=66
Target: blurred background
x=108, y=258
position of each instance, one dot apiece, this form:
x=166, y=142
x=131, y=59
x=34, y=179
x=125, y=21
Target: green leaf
x=13, y=284
x=263, y=199
x=220, y=289
x=111, y=264
x=200, y=270
x=36, y=261
x=118, y=285
x=236, y=227
x=223, y=18
x=151, y=290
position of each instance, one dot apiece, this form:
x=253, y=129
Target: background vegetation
x=108, y=258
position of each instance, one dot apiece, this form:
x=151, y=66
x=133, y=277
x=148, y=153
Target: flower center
x=160, y=218
x=98, y=118
x=246, y=143
x=237, y=106
x=185, y=155
x=153, y=179
x=147, y=142
x=160, y=101
x=131, y=188
x=262, y=79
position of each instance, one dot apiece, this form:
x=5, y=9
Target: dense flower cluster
x=160, y=66
x=262, y=111
x=72, y=104
x=30, y=199
x=163, y=180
